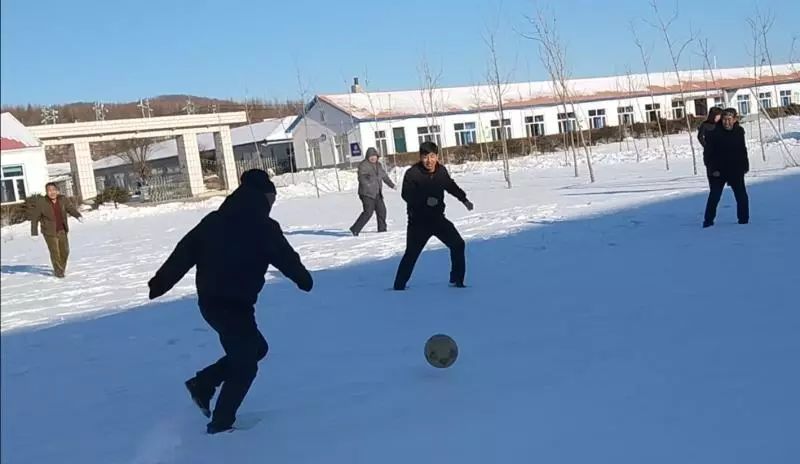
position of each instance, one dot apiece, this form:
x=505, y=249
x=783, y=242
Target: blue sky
x=56, y=51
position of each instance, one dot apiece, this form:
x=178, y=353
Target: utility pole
x=100, y=111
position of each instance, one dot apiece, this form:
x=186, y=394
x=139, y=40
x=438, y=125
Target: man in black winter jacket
x=424, y=185
x=232, y=249
x=726, y=163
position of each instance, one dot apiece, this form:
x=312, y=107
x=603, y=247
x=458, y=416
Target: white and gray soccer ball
x=441, y=351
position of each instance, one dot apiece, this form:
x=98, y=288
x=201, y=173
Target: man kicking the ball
x=232, y=249
x=423, y=191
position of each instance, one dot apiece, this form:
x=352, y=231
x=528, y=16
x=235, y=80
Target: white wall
x=34, y=167
x=365, y=130
x=323, y=119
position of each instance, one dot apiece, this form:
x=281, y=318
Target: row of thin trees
x=543, y=30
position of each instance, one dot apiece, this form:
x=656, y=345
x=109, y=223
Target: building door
x=701, y=107
x=399, y=134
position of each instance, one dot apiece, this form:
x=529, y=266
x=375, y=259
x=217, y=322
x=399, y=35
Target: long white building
x=339, y=128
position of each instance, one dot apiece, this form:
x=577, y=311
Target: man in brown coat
x=51, y=212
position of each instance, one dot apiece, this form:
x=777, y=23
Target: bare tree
x=137, y=152
x=646, y=62
x=428, y=90
x=281, y=113
x=633, y=106
x=705, y=53
x=675, y=52
x=303, y=93
x=765, y=23
x=553, y=54
x=756, y=36
x=499, y=86
x=477, y=101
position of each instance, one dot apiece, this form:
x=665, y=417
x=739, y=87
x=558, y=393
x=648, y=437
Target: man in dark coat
x=424, y=185
x=232, y=249
x=50, y=213
x=371, y=177
x=726, y=163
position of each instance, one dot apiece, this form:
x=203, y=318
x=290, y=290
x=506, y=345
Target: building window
x=678, y=109
x=625, y=115
x=465, y=133
x=342, y=147
x=566, y=123
x=380, y=142
x=718, y=102
x=786, y=97
x=534, y=126
x=743, y=102
x=496, y=130
x=429, y=134
x=13, y=184
x=765, y=99
x=653, y=112
x=597, y=119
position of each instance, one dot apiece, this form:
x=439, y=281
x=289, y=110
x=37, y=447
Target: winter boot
x=213, y=428
x=456, y=283
x=200, y=395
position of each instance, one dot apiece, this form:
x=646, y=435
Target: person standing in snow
x=423, y=190
x=232, y=248
x=371, y=177
x=714, y=115
x=51, y=212
x=726, y=161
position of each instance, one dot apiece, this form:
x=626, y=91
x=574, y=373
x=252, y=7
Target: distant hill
x=163, y=105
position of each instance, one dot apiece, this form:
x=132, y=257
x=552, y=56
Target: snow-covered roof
x=160, y=150
x=14, y=135
x=269, y=130
x=409, y=103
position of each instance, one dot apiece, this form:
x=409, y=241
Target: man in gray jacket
x=371, y=177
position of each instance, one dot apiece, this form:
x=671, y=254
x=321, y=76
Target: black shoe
x=355, y=234
x=213, y=428
x=458, y=285
x=707, y=224
x=200, y=396
x=399, y=288
x=746, y=221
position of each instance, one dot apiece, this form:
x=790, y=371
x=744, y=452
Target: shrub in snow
x=114, y=195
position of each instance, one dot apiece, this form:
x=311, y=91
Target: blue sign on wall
x=355, y=149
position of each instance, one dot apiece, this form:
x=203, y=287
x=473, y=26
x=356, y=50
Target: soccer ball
x=441, y=351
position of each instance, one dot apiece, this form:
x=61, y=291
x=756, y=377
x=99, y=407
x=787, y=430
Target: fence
x=165, y=188
x=268, y=164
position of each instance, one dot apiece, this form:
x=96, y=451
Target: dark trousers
x=58, y=246
x=419, y=232
x=244, y=347
x=370, y=206
x=716, y=185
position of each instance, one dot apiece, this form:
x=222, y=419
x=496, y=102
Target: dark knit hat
x=371, y=151
x=257, y=179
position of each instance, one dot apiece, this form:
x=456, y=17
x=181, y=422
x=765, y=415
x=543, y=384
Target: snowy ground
x=602, y=325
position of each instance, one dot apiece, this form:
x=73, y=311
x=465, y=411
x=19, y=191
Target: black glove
x=469, y=205
x=306, y=283
x=156, y=289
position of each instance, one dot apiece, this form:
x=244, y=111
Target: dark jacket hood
x=246, y=203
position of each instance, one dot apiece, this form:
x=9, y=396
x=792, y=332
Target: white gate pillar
x=227, y=163
x=189, y=158
x=82, y=168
